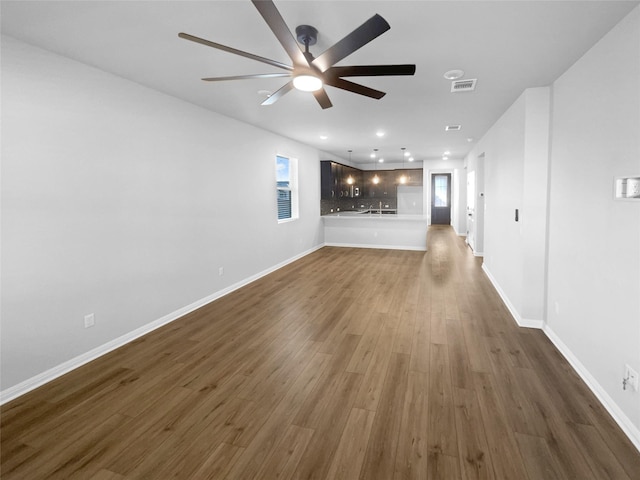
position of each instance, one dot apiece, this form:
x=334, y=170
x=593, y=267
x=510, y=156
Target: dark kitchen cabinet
x=326, y=180
x=339, y=181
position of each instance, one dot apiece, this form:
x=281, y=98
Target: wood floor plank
x=422, y=331
x=347, y=462
x=538, y=460
x=284, y=459
x=106, y=475
x=569, y=454
x=320, y=451
x=412, y=452
x=443, y=467
x=311, y=413
x=364, y=351
x=441, y=439
x=379, y=461
x=403, y=340
x=218, y=464
x=347, y=363
x=371, y=388
x=437, y=317
x=250, y=461
x=501, y=440
x=598, y=455
x=475, y=459
x=458, y=356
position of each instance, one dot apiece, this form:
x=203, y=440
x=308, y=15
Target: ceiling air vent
x=464, y=85
x=450, y=128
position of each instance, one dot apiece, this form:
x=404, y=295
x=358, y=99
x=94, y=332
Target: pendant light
x=403, y=178
x=350, y=178
x=375, y=179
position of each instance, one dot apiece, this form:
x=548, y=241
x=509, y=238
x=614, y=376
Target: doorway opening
x=441, y=199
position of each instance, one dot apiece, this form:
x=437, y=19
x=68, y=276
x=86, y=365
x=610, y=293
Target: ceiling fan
x=309, y=73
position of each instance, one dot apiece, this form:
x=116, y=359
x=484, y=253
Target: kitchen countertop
x=352, y=214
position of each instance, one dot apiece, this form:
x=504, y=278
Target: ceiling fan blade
x=323, y=98
x=371, y=70
x=372, y=28
x=235, y=51
x=279, y=28
x=354, y=87
x=246, y=77
x=278, y=93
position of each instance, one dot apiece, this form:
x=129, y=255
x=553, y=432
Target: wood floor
x=350, y=363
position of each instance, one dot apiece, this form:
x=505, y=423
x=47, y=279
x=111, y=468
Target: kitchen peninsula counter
x=376, y=230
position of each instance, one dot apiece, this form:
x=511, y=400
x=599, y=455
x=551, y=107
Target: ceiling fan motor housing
x=306, y=35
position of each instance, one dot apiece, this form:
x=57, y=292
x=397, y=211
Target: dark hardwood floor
x=349, y=363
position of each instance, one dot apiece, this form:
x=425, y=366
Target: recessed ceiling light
x=447, y=153
x=470, y=139
x=323, y=137
x=453, y=74
x=406, y=154
x=380, y=133
x=264, y=93
x=445, y=158
x=373, y=155
x=411, y=159
x=381, y=160
x=450, y=128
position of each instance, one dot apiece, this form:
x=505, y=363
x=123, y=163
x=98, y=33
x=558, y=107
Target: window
x=286, y=188
x=441, y=191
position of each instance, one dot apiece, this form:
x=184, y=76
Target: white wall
x=123, y=202
x=594, y=241
x=515, y=162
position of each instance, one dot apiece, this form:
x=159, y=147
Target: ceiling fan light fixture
x=307, y=83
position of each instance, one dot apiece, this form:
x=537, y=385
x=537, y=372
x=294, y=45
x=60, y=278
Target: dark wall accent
x=346, y=188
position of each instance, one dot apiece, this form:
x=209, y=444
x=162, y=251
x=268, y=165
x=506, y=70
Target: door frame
x=443, y=211
x=453, y=187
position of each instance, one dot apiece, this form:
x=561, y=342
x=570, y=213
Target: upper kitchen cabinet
x=339, y=181
x=326, y=180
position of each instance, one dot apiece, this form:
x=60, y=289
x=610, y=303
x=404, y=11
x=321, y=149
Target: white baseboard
x=458, y=233
x=522, y=322
x=607, y=402
x=38, y=380
x=383, y=247
x=475, y=253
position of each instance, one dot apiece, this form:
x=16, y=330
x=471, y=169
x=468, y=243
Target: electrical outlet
x=630, y=377
x=89, y=320
x=633, y=187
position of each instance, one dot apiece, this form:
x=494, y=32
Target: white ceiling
x=507, y=45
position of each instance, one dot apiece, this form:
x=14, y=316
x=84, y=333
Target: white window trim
x=293, y=188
